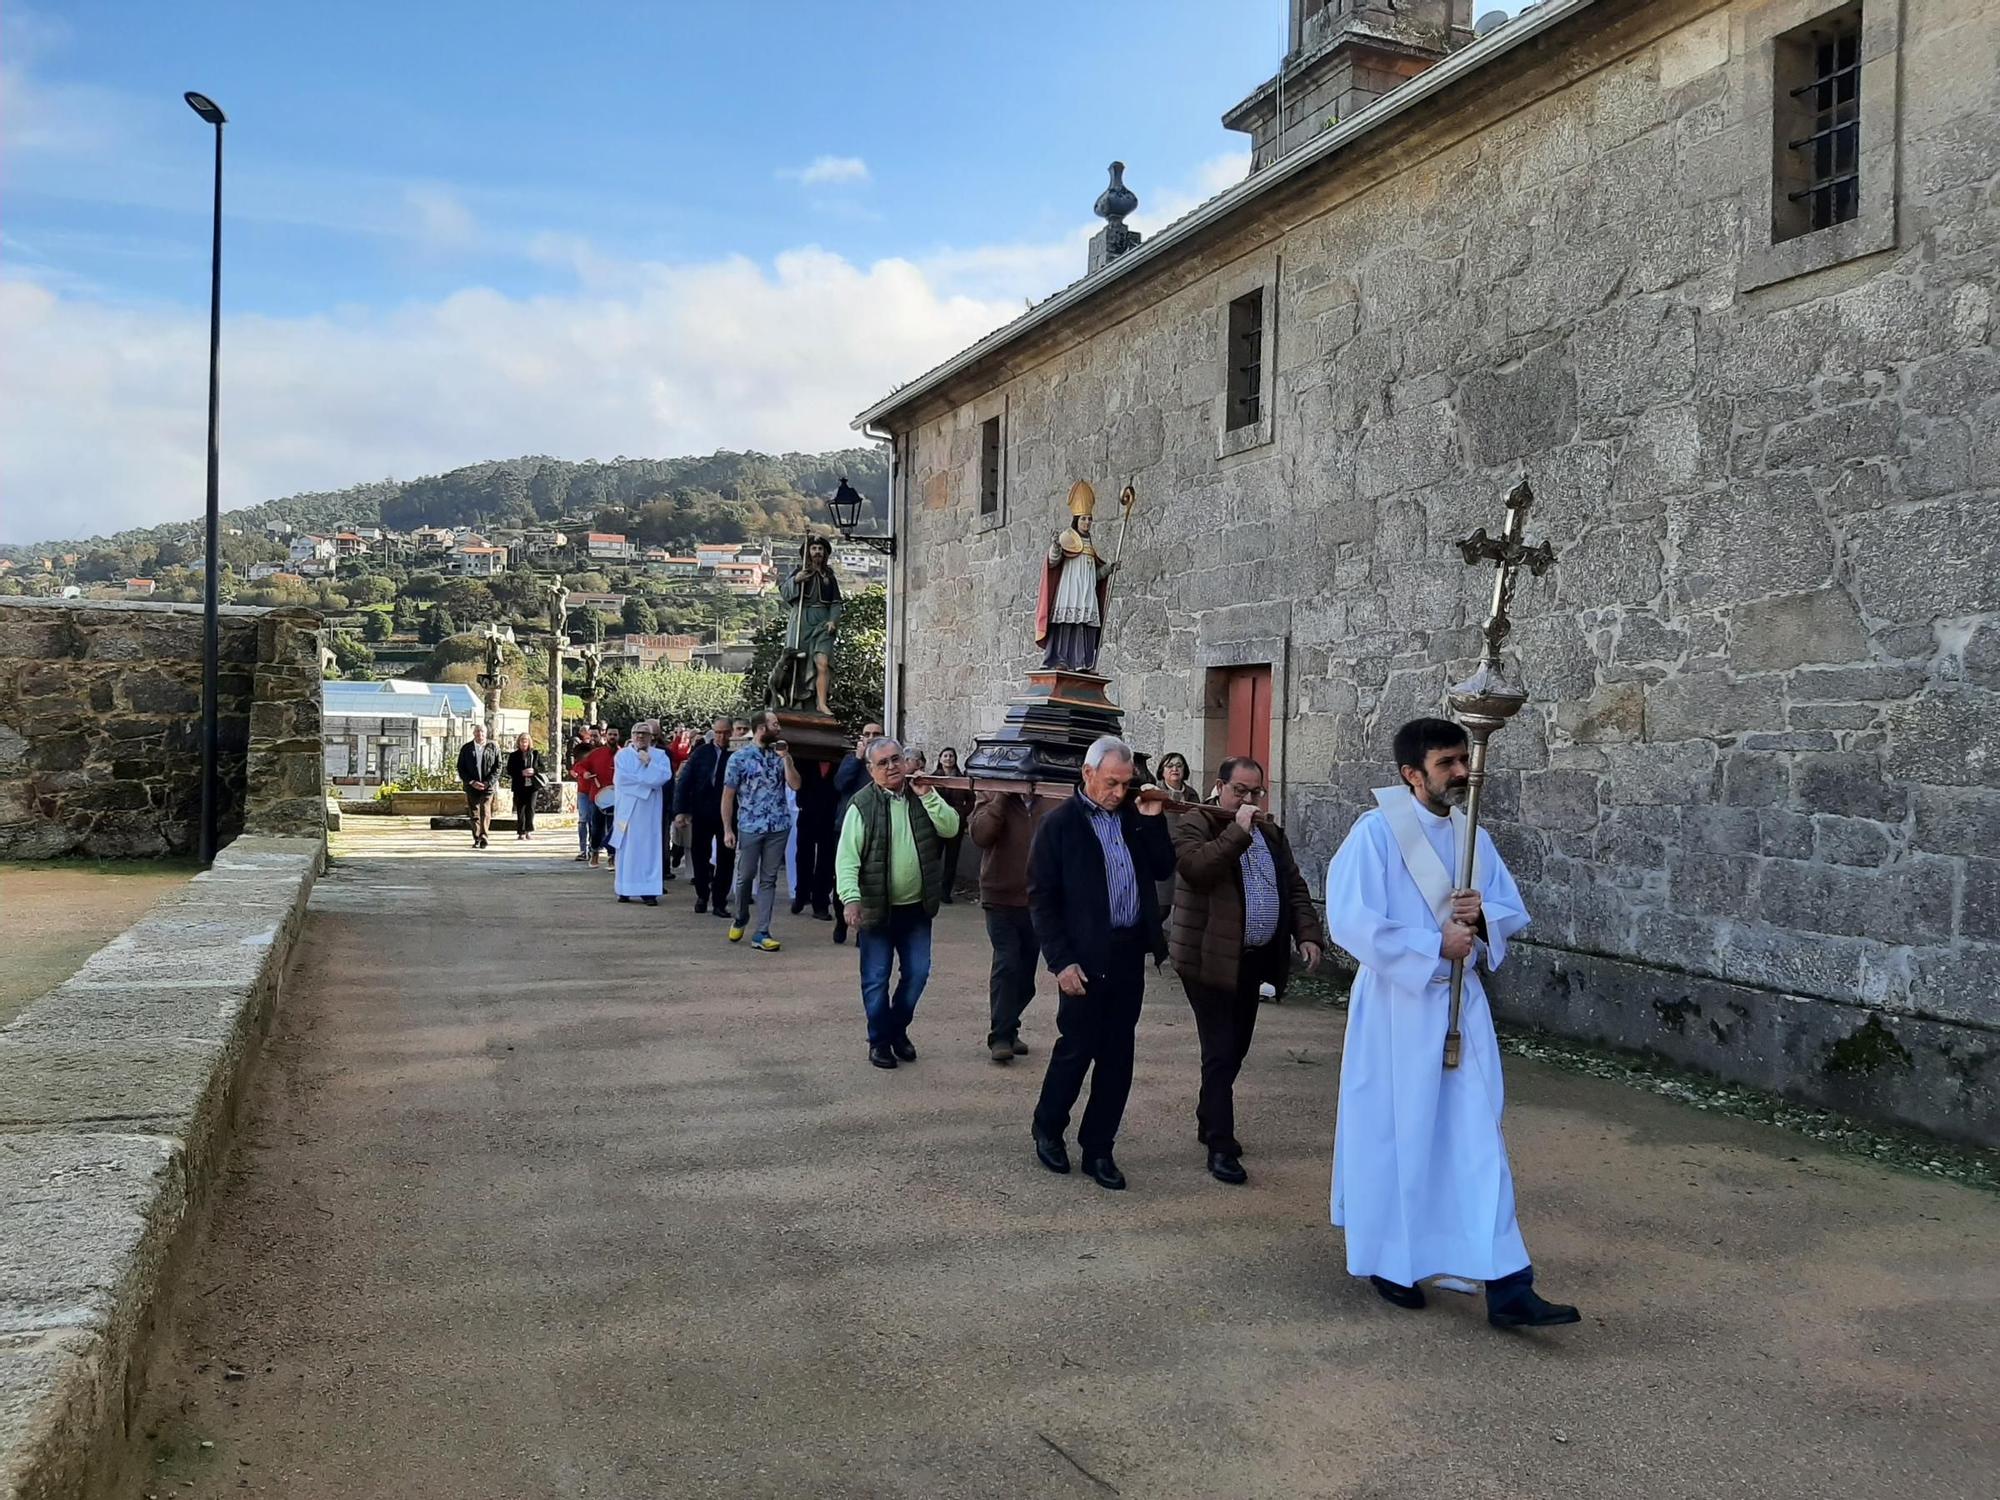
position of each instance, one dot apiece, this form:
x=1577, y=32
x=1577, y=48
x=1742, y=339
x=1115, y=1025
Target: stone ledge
x=116, y=1094
x=1935, y=1076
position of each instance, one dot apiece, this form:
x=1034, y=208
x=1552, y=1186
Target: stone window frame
x=1258, y=275
x=1873, y=228
x=987, y=409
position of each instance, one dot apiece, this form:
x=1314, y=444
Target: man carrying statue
x=803, y=676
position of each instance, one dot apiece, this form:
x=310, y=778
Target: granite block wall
x=100, y=727
x=1764, y=753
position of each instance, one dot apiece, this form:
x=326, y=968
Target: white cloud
x=440, y=222
x=103, y=428
x=823, y=171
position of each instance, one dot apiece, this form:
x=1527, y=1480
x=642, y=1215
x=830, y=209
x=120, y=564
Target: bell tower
x=1342, y=56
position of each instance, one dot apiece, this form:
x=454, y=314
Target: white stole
x=1434, y=882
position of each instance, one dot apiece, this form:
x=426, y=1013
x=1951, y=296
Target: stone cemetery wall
x=100, y=727
x=1755, y=807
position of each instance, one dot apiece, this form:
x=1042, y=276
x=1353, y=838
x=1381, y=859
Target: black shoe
x=1411, y=1297
x=882, y=1057
x=1103, y=1171
x=1020, y=1047
x=1051, y=1152
x=1224, y=1167
x=821, y=914
x=701, y=906
x=903, y=1050
x=624, y=900
x=1526, y=1308
x=839, y=930
x=650, y=900
x=798, y=905
x=720, y=911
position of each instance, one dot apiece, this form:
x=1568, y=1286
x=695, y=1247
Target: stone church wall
x=100, y=727
x=1755, y=805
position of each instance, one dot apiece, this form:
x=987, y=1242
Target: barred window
x=989, y=467
x=1246, y=360
x=1816, y=125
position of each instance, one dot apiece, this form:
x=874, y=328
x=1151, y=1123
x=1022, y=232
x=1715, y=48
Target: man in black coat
x=849, y=777
x=478, y=769
x=1091, y=875
x=698, y=809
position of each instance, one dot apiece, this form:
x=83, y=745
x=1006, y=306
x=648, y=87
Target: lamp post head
x=206, y=107
x=845, y=507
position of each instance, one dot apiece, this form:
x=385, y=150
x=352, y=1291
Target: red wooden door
x=1249, y=714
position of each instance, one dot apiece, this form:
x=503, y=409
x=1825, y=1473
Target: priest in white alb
x=1420, y=1176
x=644, y=770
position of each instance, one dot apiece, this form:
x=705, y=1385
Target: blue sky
x=458, y=231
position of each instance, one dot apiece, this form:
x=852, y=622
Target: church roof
x=1161, y=247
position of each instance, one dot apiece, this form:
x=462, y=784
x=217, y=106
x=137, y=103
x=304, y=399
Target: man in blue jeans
x=889, y=876
x=757, y=823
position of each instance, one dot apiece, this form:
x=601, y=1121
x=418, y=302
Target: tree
x=368, y=588
x=374, y=626
x=639, y=617
x=349, y=655
x=439, y=625
x=673, y=695
x=406, y=613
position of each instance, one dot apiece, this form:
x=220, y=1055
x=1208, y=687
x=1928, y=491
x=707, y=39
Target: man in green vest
x=889, y=875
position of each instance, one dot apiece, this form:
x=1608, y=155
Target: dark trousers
x=524, y=808
x=951, y=847
x=714, y=861
x=815, y=856
x=600, y=823
x=1225, y=1021
x=479, y=808
x=1094, y=1035
x=1011, y=931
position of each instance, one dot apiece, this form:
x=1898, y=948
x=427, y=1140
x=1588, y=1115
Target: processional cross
x=1486, y=700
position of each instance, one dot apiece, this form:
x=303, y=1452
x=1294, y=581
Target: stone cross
x=493, y=680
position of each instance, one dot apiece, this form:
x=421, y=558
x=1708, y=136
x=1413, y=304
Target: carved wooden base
x=1048, y=728
x=814, y=736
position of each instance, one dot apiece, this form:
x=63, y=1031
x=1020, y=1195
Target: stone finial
x=1115, y=238
x=1117, y=200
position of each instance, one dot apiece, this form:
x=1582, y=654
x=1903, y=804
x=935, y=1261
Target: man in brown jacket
x=1239, y=905
x=1003, y=826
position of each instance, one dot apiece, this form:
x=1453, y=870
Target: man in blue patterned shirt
x=1091, y=875
x=757, y=824
x=1239, y=906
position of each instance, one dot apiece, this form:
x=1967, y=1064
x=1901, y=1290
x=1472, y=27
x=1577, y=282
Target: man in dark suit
x=478, y=769
x=1091, y=874
x=698, y=809
x=1239, y=906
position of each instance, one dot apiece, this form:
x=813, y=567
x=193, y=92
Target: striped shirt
x=1260, y=893
x=1120, y=875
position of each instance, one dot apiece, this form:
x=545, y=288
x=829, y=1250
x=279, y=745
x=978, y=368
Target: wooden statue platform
x=1047, y=729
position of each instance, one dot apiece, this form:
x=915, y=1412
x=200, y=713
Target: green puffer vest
x=872, y=803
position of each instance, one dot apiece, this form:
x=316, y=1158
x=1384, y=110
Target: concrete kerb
x=117, y=1089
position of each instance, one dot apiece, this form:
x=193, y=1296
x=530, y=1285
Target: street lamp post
x=211, y=627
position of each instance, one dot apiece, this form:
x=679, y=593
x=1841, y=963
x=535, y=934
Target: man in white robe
x=1420, y=1176
x=644, y=769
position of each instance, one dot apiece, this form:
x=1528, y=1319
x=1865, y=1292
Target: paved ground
x=55, y=915
x=540, y=1195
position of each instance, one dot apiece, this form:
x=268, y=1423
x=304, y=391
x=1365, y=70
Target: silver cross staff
x=1486, y=700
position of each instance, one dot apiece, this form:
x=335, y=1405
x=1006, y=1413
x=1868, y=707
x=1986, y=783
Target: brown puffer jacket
x=1207, y=934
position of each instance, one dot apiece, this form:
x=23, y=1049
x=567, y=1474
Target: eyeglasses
x=1248, y=793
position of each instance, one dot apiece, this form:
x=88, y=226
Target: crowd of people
x=1091, y=887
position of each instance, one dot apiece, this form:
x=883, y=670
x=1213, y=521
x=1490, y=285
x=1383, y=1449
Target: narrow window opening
x=1816, y=125
x=989, y=467
x=1246, y=360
